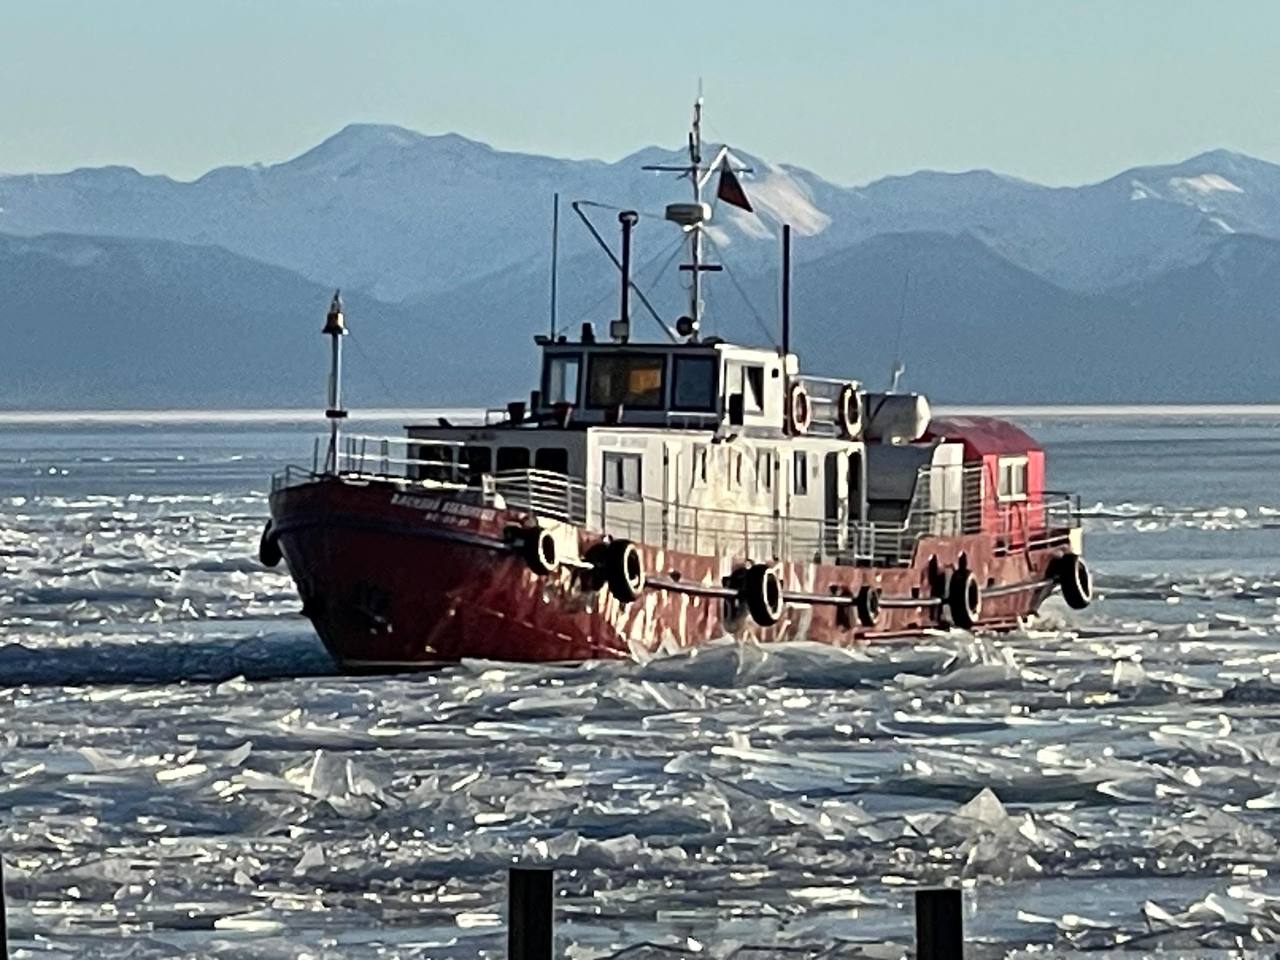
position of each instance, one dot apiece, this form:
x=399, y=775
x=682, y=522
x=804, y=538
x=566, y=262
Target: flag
x=730, y=190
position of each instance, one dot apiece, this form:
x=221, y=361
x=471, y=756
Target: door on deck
x=671, y=495
x=836, y=515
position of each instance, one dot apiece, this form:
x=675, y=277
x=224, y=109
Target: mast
x=695, y=232
x=335, y=328
x=692, y=216
x=555, y=259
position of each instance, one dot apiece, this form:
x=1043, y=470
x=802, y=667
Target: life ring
x=269, y=547
x=849, y=412
x=867, y=604
x=964, y=599
x=1074, y=580
x=624, y=570
x=538, y=548
x=799, y=409
x=762, y=590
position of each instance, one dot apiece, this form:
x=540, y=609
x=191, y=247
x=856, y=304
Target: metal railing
x=945, y=500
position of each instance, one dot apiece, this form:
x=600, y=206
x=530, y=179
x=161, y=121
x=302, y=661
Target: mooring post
x=530, y=902
x=4, y=929
x=939, y=924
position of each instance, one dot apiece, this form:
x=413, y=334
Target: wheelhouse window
x=631, y=379
x=560, y=381
x=695, y=383
x=1012, y=481
x=753, y=389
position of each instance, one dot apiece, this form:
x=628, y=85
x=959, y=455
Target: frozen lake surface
x=183, y=775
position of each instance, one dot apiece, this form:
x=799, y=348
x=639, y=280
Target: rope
x=743, y=293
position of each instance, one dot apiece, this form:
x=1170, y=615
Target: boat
x=652, y=496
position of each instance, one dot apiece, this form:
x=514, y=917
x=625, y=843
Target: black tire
x=1075, y=582
x=269, y=547
x=762, y=589
x=964, y=599
x=539, y=549
x=868, y=606
x=624, y=570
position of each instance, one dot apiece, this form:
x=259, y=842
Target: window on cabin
x=552, y=459
x=478, y=460
x=513, y=458
x=435, y=462
x=561, y=379
x=622, y=474
x=753, y=389
x=800, y=473
x=700, y=464
x=631, y=379
x=695, y=383
x=764, y=470
x=1012, y=478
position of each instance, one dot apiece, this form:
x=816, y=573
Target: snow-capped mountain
x=1157, y=283
x=401, y=214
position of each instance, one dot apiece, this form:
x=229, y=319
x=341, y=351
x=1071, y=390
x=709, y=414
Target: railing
x=946, y=501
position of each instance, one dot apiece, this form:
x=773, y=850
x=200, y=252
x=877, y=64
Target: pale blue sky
x=1052, y=91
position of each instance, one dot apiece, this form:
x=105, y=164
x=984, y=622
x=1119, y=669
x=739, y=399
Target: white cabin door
x=836, y=528
x=670, y=495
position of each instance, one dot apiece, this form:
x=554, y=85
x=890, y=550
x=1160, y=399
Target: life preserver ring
x=964, y=599
x=1074, y=581
x=269, y=547
x=538, y=547
x=849, y=412
x=799, y=409
x=624, y=570
x=762, y=591
x=867, y=604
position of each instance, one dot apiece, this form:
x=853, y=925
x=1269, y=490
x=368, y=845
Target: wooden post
x=530, y=902
x=939, y=925
x=4, y=932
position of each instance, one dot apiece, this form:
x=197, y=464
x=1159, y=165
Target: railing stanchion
x=939, y=924
x=530, y=904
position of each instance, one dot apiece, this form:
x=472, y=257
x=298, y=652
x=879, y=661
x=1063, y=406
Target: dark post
x=786, y=289
x=4, y=932
x=555, y=259
x=939, y=925
x=530, y=896
x=628, y=220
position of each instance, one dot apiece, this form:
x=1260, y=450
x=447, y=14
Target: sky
x=1056, y=92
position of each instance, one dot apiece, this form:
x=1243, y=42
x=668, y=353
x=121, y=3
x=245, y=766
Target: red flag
x=730, y=190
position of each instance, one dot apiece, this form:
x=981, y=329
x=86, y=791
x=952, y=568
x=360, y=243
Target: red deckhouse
x=653, y=496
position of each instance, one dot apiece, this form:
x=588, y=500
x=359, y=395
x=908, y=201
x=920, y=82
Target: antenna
x=555, y=254
x=899, y=368
x=786, y=290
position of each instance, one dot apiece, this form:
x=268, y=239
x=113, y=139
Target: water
x=183, y=775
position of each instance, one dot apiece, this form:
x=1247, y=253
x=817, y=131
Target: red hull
x=393, y=580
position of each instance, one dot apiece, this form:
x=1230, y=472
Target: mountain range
x=123, y=289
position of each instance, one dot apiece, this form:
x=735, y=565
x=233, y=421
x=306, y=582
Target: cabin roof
x=983, y=435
